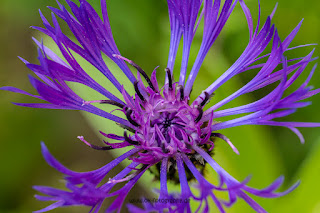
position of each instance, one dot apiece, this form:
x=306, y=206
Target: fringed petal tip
x=23, y=60
x=17, y=90
x=51, y=207
x=269, y=192
x=293, y=187
x=54, y=162
x=274, y=186
x=44, y=149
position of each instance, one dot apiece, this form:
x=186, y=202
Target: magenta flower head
x=167, y=132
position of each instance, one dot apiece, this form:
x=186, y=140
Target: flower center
x=167, y=125
x=163, y=124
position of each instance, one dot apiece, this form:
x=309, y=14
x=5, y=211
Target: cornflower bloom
x=167, y=132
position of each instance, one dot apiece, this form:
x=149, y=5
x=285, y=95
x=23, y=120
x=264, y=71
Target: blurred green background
x=141, y=30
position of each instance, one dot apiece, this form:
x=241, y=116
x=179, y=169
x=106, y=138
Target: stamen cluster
x=164, y=123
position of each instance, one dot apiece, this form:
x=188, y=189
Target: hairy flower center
x=166, y=125
x=163, y=125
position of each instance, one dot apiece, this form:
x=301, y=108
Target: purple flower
x=163, y=127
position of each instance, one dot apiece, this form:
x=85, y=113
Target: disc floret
x=163, y=121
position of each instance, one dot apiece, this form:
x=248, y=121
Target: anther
x=126, y=138
x=114, y=103
x=181, y=89
x=139, y=69
x=94, y=146
x=206, y=99
x=198, y=118
x=129, y=177
x=126, y=127
x=223, y=137
x=128, y=114
x=136, y=88
x=103, y=102
x=164, y=149
x=189, y=95
x=169, y=77
x=177, y=124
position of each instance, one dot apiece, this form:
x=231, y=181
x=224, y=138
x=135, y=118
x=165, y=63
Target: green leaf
x=306, y=197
